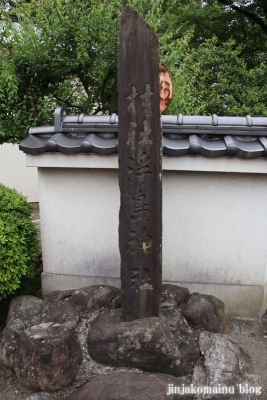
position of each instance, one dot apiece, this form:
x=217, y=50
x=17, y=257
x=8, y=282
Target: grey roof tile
x=210, y=136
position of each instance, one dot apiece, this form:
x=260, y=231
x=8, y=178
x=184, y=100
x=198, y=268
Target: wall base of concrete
x=246, y=301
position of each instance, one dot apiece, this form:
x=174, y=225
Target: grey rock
x=8, y=346
x=199, y=379
x=206, y=312
x=164, y=344
x=226, y=364
x=41, y=396
x=62, y=312
x=47, y=358
x=96, y=296
x=24, y=311
x=132, y=386
x=60, y=295
x=173, y=296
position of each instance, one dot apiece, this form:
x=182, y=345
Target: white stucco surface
x=15, y=174
x=214, y=225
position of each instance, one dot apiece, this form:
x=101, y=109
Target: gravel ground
x=252, y=335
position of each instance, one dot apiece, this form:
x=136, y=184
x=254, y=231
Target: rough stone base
x=165, y=344
x=241, y=301
x=131, y=386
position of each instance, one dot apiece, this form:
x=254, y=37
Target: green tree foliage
x=222, y=51
x=215, y=79
x=61, y=53
x=18, y=240
x=64, y=53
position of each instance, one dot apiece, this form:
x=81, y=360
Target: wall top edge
x=169, y=163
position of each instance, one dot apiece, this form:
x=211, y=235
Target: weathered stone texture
x=130, y=386
x=96, y=296
x=42, y=396
x=62, y=312
x=173, y=296
x=206, y=312
x=24, y=311
x=163, y=344
x=226, y=364
x=48, y=357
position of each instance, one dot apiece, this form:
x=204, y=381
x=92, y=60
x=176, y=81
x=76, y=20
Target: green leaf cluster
x=19, y=242
x=64, y=53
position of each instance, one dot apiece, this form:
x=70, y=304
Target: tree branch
x=97, y=110
x=87, y=91
x=246, y=13
x=102, y=95
x=66, y=102
x=33, y=107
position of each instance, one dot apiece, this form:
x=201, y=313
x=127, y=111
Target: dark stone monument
x=137, y=335
x=140, y=171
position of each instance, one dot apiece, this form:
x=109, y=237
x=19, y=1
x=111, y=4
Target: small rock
x=133, y=386
x=96, y=296
x=206, y=312
x=47, y=358
x=62, y=312
x=41, y=396
x=172, y=297
x=164, y=344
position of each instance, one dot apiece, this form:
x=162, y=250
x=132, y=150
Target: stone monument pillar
x=140, y=170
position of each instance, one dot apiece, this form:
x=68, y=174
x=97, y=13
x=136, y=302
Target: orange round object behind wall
x=166, y=88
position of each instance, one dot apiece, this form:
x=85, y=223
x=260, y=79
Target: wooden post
x=140, y=171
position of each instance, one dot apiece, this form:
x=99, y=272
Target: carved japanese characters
x=140, y=223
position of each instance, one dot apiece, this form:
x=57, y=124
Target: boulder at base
x=24, y=311
x=96, y=296
x=206, y=312
x=133, y=386
x=227, y=366
x=48, y=357
x=164, y=344
x=173, y=296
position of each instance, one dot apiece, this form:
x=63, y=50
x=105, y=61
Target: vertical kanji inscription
x=140, y=220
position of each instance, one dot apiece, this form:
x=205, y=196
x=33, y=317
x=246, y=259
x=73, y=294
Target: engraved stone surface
x=140, y=138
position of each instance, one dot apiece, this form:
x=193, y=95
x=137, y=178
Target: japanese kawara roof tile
x=210, y=136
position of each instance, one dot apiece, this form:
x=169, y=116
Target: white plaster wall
x=214, y=225
x=15, y=174
x=79, y=221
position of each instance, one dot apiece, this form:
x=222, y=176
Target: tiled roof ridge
x=210, y=136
